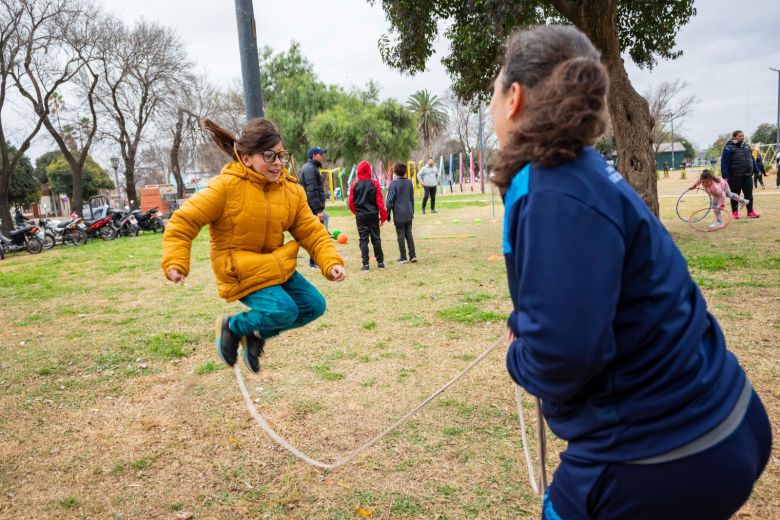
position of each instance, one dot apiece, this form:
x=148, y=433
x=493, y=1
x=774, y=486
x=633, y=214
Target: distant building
x=664, y=155
x=195, y=181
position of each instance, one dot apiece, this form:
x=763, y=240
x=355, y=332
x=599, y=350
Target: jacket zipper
x=268, y=226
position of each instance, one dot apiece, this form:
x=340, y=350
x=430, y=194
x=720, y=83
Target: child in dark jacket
x=400, y=198
x=365, y=201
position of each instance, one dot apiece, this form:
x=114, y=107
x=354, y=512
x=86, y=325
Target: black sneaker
x=413, y=259
x=364, y=268
x=253, y=349
x=423, y=212
x=226, y=341
x=381, y=265
x=401, y=261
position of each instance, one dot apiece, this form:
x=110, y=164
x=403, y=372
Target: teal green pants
x=275, y=309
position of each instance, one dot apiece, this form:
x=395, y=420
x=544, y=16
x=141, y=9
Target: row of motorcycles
x=105, y=223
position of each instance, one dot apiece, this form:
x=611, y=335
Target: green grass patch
x=69, y=502
x=168, y=345
x=406, y=505
x=476, y=297
x=208, y=367
x=717, y=262
x=369, y=325
x=141, y=464
x=451, y=431
x=414, y=320
x=469, y=314
x=324, y=371
x=446, y=490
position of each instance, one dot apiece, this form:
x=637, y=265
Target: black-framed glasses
x=270, y=156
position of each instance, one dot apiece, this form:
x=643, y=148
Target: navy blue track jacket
x=612, y=332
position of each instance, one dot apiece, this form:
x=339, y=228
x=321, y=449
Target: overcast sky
x=728, y=48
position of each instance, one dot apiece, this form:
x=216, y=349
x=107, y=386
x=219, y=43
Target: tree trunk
x=175, y=167
x=132, y=194
x=5, y=207
x=629, y=111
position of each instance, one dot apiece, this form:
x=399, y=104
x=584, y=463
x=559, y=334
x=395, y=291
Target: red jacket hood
x=364, y=171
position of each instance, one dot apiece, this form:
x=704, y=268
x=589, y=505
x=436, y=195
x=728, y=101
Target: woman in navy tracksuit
x=608, y=328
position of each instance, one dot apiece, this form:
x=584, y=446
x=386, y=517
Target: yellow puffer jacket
x=247, y=217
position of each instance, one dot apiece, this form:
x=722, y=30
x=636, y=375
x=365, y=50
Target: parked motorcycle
x=24, y=237
x=101, y=227
x=64, y=232
x=46, y=237
x=125, y=222
x=150, y=221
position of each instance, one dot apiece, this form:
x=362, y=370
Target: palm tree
x=431, y=116
x=56, y=105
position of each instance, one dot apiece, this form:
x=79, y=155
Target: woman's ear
x=515, y=99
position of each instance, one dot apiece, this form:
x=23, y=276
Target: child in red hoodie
x=365, y=201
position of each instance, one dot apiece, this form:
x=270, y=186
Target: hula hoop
x=677, y=207
x=725, y=215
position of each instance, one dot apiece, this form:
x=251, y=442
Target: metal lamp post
x=250, y=68
x=115, y=166
x=777, y=143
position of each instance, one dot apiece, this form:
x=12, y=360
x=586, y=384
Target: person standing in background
x=737, y=167
x=428, y=176
x=311, y=179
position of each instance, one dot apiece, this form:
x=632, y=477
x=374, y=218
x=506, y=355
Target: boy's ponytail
x=564, y=90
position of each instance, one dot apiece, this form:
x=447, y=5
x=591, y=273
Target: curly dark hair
x=564, y=97
x=400, y=169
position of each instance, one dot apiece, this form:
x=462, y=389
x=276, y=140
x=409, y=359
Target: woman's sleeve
x=568, y=263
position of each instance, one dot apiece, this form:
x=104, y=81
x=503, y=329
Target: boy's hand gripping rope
x=281, y=441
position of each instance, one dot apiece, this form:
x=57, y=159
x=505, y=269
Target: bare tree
x=63, y=50
x=196, y=102
x=15, y=30
x=464, y=124
x=666, y=102
x=141, y=71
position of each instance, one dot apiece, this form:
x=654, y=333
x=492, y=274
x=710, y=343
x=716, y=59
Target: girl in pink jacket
x=718, y=190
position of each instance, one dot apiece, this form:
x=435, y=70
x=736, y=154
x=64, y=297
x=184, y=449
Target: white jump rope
x=538, y=487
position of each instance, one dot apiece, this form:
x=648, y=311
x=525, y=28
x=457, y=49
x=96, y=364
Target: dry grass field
x=115, y=405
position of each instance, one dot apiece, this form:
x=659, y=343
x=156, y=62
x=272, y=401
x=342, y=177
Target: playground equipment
x=453, y=171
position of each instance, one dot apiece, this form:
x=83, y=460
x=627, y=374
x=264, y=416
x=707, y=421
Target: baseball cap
x=315, y=150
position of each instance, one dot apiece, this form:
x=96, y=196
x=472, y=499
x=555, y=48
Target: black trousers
x=744, y=184
x=403, y=231
x=429, y=191
x=368, y=226
x=758, y=179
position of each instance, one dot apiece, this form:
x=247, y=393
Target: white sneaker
x=715, y=225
